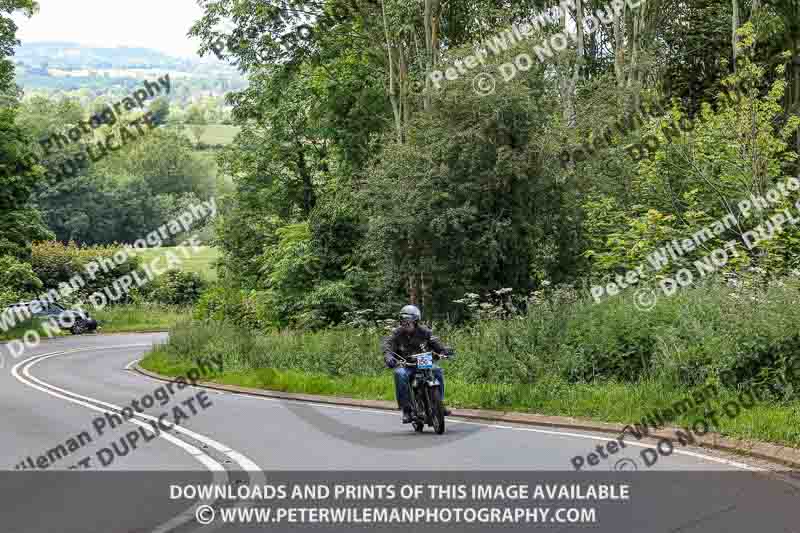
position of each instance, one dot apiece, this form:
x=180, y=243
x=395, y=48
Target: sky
x=158, y=24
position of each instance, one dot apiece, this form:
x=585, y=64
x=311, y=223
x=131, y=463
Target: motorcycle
x=426, y=392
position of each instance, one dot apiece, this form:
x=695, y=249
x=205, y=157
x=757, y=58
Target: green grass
x=200, y=262
x=139, y=317
x=214, y=134
x=19, y=331
x=607, y=402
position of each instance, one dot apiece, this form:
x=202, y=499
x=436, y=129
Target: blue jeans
x=402, y=379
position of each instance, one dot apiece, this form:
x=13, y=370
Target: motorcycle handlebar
x=411, y=360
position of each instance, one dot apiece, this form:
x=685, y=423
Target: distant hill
x=65, y=55
x=65, y=67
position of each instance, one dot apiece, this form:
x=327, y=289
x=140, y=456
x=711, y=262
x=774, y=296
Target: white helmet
x=410, y=312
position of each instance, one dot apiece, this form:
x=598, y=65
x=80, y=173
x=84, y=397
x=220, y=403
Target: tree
x=19, y=222
x=160, y=111
x=465, y=204
x=8, y=40
x=356, y=182
x=166, y=161
x=196, y=118
x=16, y=280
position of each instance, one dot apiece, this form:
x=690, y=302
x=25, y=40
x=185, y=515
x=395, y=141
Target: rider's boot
x=447, y=412
x=407, y=418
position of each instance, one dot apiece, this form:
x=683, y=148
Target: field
x=201, y=262
x=139, y=317
x=214, y=134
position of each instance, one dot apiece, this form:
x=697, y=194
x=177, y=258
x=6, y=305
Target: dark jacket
x=420, y=341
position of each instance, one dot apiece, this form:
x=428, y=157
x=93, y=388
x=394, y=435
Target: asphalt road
x=53, y=396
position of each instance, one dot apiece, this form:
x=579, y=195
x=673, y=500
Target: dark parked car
x=74, y=320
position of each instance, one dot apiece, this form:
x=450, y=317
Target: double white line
x=21, y=372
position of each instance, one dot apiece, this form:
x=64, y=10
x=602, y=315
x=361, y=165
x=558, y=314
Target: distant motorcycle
x=426, y=392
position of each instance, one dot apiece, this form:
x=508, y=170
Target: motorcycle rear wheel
x=436, y=409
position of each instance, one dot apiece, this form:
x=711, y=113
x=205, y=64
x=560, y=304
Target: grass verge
x=139, y=317
x=20, y=330
x=614, y=402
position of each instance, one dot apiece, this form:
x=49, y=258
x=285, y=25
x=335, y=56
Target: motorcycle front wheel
x=436, y=409
x=419, y=413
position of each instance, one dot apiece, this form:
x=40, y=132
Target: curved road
x=52, y=395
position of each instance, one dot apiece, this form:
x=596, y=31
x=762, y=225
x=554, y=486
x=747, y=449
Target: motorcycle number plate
x=425, y=360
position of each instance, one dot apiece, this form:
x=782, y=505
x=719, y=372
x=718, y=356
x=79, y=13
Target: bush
x=57, y=263
x=233, y=306
x=16, y=277
x=174, y=287
x=8, y=297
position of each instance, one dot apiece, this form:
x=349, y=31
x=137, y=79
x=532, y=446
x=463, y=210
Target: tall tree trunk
x=632, y=29
x=619, y=49
x=634, y=76
x=309, y=197
x=431, y=18
x=734, y=29
x=569, y=82
x=413, y=293
x=395, y=89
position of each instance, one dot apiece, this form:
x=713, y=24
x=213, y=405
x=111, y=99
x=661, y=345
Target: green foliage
x=17, y=277
x=20, y=224
x=357, y=185
x=222, y=303
x=166, y=161
x=686, y=341
x=122, y=196
x=94, y=210
x=8, y=297
x=298, y=293
x=56, y=263
x=160, y=111
x=698, y=177
x=8, y=39
x=467, y=203
x=172, y=288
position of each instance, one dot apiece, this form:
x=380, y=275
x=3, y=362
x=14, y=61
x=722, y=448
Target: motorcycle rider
x=411, y=338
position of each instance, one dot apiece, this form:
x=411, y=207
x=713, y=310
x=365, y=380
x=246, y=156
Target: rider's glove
x=391, y=362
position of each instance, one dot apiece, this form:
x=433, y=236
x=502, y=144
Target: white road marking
x=219, y=473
